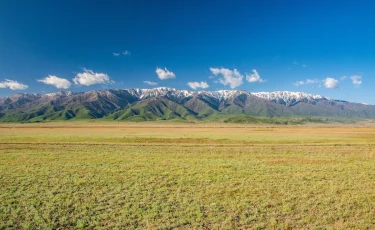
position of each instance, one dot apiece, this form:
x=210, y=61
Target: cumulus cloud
x=356, y=80
x=164, y=74
x=195, y=85
x=89, y=77
x=60, y=83
x=13, y=85
x=254, y=77
x=331, y=83
x=126, y=52
x=116, y=54
x=150, y=83
x=233, y=78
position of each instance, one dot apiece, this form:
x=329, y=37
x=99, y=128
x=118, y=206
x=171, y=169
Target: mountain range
x=172, y=104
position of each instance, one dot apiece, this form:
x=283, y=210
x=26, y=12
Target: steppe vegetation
x=130, y=176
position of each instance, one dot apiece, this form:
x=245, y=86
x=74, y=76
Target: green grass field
x=131, y=176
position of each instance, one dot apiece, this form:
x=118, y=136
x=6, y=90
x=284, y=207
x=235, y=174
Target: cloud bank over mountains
x=329, y=82
x=231, y=78
x=89, y=77
x=13, y=85
x=196, y=85
x=86, y=78
x=60, y=83
x=234, y=78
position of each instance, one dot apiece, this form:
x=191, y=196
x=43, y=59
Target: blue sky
x=319, y=47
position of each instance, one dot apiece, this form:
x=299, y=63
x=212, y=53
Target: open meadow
x=137, y=176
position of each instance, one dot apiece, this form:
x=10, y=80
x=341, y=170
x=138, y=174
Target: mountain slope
x=167, y=104
x=316, y=105
x=153, y=109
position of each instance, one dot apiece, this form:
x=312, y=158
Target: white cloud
x=60, y=83
x=195, y=85
x=126, y=52
x=150, y=83
x=331, y=83
x=164, y=74
x=308, y=82
x=89, y=77
x=299, y=83
x=254, y=77
x=13, y=85
x=356, y=80
x=233, y=78
x=311, y=81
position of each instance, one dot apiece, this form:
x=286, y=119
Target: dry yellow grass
x=198, y=134
x=151, y=176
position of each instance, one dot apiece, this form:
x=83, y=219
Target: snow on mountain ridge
x=60, y=93
x=288, y=96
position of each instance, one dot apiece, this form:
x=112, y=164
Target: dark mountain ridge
x=167, y=104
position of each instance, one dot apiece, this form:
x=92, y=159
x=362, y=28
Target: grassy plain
x=165, y=176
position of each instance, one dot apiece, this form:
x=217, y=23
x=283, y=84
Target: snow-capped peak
x=288, y=97
x=160, y=91
x=277, y=96
x=222, y=94
x=60, y=93
x=281, y=97
x=164, y=91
